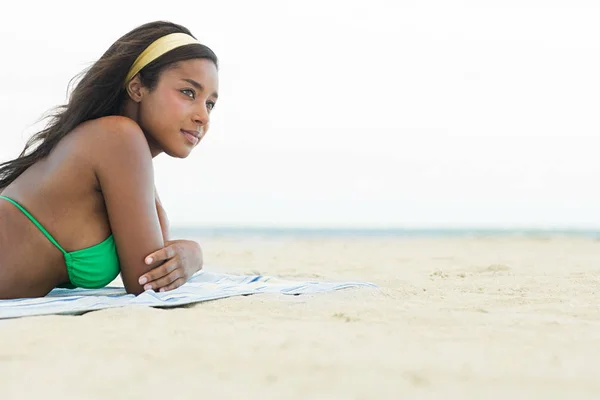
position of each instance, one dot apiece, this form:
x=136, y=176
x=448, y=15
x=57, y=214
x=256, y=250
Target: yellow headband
x=156, y=49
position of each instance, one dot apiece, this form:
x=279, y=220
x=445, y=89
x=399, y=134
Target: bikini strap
x=40, y=227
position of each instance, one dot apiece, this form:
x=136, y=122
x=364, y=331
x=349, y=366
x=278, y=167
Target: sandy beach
x=463, y=317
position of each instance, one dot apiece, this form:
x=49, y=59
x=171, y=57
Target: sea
x=336, y=232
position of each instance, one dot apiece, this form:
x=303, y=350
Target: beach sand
x=463, y=318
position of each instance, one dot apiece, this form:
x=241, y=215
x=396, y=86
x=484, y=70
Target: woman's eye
x=210, y=105
x=189, y=92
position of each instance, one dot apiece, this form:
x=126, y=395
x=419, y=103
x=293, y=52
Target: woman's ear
x=135, y=89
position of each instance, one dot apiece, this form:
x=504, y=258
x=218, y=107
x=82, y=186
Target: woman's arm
x=162, y=217
x=123, y=166
x=182, y=259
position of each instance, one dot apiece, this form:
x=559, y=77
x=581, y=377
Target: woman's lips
x=191, y=136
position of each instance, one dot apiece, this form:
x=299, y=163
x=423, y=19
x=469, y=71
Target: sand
x=464, y=318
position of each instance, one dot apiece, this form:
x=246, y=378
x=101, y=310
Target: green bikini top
x=93, y=267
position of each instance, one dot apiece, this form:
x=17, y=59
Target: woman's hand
x=183, y=258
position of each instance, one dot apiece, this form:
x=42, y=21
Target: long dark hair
x=99, y=91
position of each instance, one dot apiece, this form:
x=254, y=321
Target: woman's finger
x=163, y=254
x=173, y=285
x=165, y=280
x=162, y=270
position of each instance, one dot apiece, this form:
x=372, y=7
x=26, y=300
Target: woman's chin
x=178, y=153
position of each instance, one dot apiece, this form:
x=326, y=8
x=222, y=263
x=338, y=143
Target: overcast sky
x=354, y=113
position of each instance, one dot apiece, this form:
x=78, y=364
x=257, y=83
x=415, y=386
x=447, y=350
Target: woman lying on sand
x=81, y=206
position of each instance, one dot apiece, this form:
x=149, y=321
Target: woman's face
x=176, y=114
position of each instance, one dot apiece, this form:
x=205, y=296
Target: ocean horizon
x=288, y=231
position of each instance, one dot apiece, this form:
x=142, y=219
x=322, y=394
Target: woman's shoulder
x=109, y=125
x=106, y=133
x=101, y=142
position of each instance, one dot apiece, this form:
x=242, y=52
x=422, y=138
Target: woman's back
x=62, y=190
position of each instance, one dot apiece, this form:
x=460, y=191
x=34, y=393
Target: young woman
x=79, y=204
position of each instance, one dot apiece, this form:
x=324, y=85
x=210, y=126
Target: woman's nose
x=201, y=116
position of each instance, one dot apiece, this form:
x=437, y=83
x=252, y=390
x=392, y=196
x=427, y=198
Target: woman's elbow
x=134, y=289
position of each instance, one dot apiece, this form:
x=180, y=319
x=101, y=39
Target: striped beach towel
x=203, y=286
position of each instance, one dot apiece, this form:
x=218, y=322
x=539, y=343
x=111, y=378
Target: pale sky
x=354, y=113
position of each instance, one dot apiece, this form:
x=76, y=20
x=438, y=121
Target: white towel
x=202, y=286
